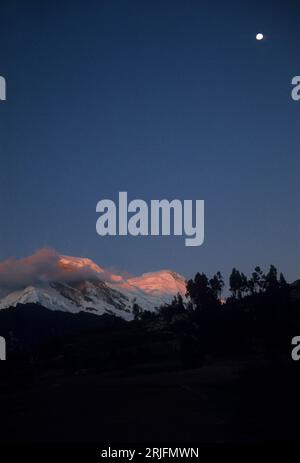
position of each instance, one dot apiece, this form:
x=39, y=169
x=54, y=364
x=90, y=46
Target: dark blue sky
x=163, y=99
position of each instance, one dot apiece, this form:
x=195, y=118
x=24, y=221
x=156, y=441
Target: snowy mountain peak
x=77, y=284
x=160, y=283
x=71, y=264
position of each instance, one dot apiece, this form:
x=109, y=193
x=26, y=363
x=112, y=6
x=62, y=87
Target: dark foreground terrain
x=227, y=400
x=203, y=374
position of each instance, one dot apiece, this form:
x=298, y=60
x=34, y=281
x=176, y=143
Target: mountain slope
x=81, y=287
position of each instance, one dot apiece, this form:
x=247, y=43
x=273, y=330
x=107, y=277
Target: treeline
x=259, y=317
x=258, y=314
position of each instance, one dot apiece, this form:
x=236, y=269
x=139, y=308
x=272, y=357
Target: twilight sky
x=163, y=99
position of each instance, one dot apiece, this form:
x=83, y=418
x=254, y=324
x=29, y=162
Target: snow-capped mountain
x=78, y=284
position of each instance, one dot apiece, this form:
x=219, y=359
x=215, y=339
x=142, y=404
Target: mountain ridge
x=84, y=286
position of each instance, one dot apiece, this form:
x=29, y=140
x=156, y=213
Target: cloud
x=43, y=266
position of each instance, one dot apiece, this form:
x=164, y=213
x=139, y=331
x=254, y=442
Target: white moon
x=259, y=36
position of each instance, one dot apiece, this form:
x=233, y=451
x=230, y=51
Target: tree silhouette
x=204, y=292
x=271, y=282
x=235, y=283
x=137, y=311
x=258, y=279
x=217, y=285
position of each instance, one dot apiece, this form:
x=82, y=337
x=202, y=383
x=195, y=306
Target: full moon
x=259, y=36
